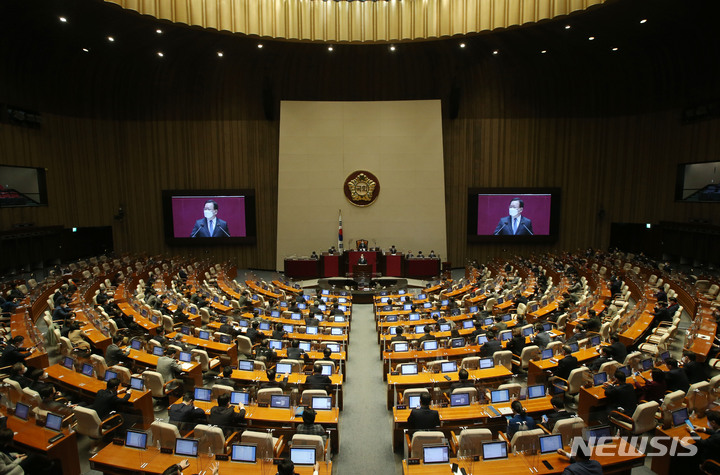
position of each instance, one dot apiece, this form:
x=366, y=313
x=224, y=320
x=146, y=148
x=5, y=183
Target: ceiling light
x=496, y=52
x=462, y=45
x=591, y=38
x=110, y=39
x=644, y=20
x=159, y=31
x=86, y=50
x=392, y=48
x=160, y=54
x=220, y=54
x=330, y=48
x=615, y=49
x=260, y=45
x=543, y=51
x=567, y=27
x=62, y=19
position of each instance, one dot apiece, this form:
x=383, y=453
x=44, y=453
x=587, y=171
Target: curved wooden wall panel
x=345, y=21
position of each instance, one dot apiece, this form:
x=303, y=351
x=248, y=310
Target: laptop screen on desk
x=547, y=353
x=535, y=392
x=679, y=416
x=327, y=370
x=547, y=327
x=457, y=342
x=283, y=368
x=322, y=403
x=68, y=362
x=280, y=401
x=136, y=439
x=157, y=351
x=203, y=394
x=419, y=328
x=430, y=345
x=302, y=455
x=295, y=316
x=185, y=356
x=485, y=363
x=625, y=370
x=186, y=447
x=264, y=326
x=137, y=383
x=482, y=339
x=436, y=454
x=244, y=453
x=305, y=345
x=246, y=365
x=595, y=341
x=334, y=347
x=185, y=330
x=448, y=367
x=401, y=346
x=410, y=368
x=494, y=450
x=468, y=324
x=444, y=327
x=413, y=402
x=135, y=344
x=239, y=397
x=288, y=328
x=499, y=395
x=527, y=331
x=204, y=335
x=599, y=378
x=336, y=331
x=550, y=443
x=596, y=433
x=460, y=399
x=275, y=344
x=574, y=347
x=505, y=336
x=110, y=375
x=21, y=411
x=225, y=339
x=311, y=330
x=53, y=422
x=647, y=364
x=87, y=369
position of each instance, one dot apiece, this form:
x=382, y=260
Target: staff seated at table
x=184, y=414
x=309, y=427
x=14, y=463
x=225, y=416
x=424, y=418
x=520, y=420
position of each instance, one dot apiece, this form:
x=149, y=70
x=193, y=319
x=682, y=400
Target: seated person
x=463, y=381
x=424, y=418
x=580, y=333
x=605, y=356
x=225, y=416
x=559, y=413
x=398, y=334
x=107, y=399
x=580, y=463
x=278, y=333
x=294, y=352
x=619, y=350
x=49, y=401
x=272, y=382
x=327, y=355
x=620, y=394
x=287, y=467
x=499, y=325
x=566, y=364
x=655, y=388
x=14, y=352
x=520, y=420
x=14, y=463
x=708, y=448
x=226, y=379
x=184, y=414
x=264, y=353
x=491, y=346
x=517, y=343
x=317, y=380
x=18, y=374
x=428, y=334
x=309, y=427
x=675, y=377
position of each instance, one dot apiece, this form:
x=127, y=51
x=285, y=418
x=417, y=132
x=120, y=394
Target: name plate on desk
x=400, y=407
x=262, y=404
x=394, y=373
x=222, y=457
x=118, y=442
x=166, y=450
x=413, y=461
x=443, y=404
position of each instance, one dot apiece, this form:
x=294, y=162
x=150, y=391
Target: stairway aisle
x=365, y=423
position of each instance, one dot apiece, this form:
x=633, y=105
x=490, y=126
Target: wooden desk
x=35, y=438
x=423, y=267
x=146, y=360
x=33, y=339
x=618, y=458
x=117, y=459
x=537, y=368
x=128, y=310
x=632, y=335
x=399, y=383
x=97, y=338
x=665, y=464
x=213, y=348
x=390, y=359
x=87, y=388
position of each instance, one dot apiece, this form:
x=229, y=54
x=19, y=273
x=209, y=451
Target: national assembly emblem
x=362, y=188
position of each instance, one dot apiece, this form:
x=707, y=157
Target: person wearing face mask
x=515, y=224
x=210, y=225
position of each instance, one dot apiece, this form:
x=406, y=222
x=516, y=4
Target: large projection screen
x=321, y=143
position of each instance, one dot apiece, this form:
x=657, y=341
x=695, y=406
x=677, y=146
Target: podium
x=362, y=272
x=370, y=256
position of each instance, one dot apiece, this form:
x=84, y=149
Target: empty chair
x=308, y=394
x=569, y=428
x=219, y=389
x=420, y=439
x=244, y=345
x=698, y=398
x=267, y=446
x=307, y=440
x=88, y=423
x=31, y=397
x=99, y=364
x=503, y=358
x=206, y=364
x=435, y=365
x=66, y=348
x=212, y=439
x=572, y=385
x=263, y=395
x=528, y=353
x=159, y=388
x=469, y=442
x=165, y=433
x=204, y=315
x=642, y=420
x=470, y=362
x=513, y=389
x=331, y=364
x=526, y=440
x=471, y=391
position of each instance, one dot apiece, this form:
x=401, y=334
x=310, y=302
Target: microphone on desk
x=226, y=233
x=198, y=230
x=501, y=228
x=528, y=230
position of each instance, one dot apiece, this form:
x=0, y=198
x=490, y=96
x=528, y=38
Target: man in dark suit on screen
x=210, y=225
x=515, y=224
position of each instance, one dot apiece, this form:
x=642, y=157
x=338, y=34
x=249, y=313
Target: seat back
x=526, y=440
x=244, y=345
x=554, y=345
x=88, y=422
x=503, y=358
x=577, y=378
x=212, y=439
x=471, y=391
x=414, y=392
x=154, y=382
x=561, y=322
x=529, y=353
x=698, y=398
x=99, y=364
x=165, y=433
x=470, y=441
x=307, y=440
x=609, y=367
x=421, y=438
x=204, y=315
x=435, y=365
x=673, y=400
x=605, y=331
x=644, y=417
x=632, y=359
x=569, y=428
x=263, y=395
x=219, y=389
x=31, y=397
x=308, y=394
x=295, y=364
x=202, y=357
x=66, y=348
x=513, y=388
x=263, y=441
x=123, y=374
x=167, y=323
x=470, y=362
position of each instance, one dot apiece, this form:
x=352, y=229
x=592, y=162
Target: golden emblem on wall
x=361, y=188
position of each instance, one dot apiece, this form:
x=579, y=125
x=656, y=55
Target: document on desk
x=186, y=366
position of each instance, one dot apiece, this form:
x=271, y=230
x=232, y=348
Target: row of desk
x=338, y=265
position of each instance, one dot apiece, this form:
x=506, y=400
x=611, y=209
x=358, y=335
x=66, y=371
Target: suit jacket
x=677, y=379
x=553, y=417
x=167, y=367
x=424, y=418
x=113, y=355
x=565, y=367
x=619, y=352
x=226, y=417
x=182, y=413
x=489, y=348
x=201, y=228
x=107, y=401
x=9, y=466
x=504, y=227
x=317, y=381
x=622, y=395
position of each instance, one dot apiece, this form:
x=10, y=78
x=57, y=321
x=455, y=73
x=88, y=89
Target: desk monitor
x=488, y=321
x=53, y=422
x=457, y=342
x=193, y=310
x=246, y=365
x=485, y=363
x=334, y=347
x=407, y=306
x=109, y=374
x=427, y=305
x=185, y=356
x=87, y=369
x=460, y=399
x=436, y=454
x=679, y=416
x=21, y=411
x=595, y=340
x=68, y=362
x=309, y=330
x=302, y=455
x=394, y=318
x=448, y=367
x=144, y=313
x=499, y=300
x=289, y=328
x=550, y=443
x=435, y=314
x=664, y=356
x=337, y=331
x=473, y=309
x=536, y=392
x=625, y=370
x=499, y=395
x=305, y=346
x=239, y=397
x=243, y=323
x=275, y=344
x=533, y=308
x=157, y=351
x=281, y=401
x=400, y=346
x=413, y=402
x=275, y=313
x=421, y=296
x=264, y=326
x=419, y=328
x=527, y=331
x=325, y=292
x=203, y=394
x=137, y=383
x=543, y=303
x=204, y=335
x=599, y=378
x=444, y=327
x=430, y=345
x=185, y=330
x=136, y=439
x=154, y=319
x=574, y=347
x=135, y=344
x=392, y=330
x=327, y=370
x=547, y=353
x=302, y=306
x=547, y=327
x=322, y=403
x=384, y=299
x=482, y=339
x=246, y=453
x=409, y=368
x=507, y=317
x=295, y=316
x=597, y=433
x=283, y=368
x=647, y=364
x=226, y=339
x=338, y=318
x=402, y=292
x=342, y=308
x=494, y=450
x=186, y=447
x=506, y=336
x=468, y=324
x=445, y=302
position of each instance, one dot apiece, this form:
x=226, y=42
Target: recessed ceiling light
x=392, y=48
x=330, y=48
x=543, y=51
x=567, y=27
x=591, y=38
x=86, y=50
x=644, y=20
x=220, y=54
x=159, y=31
x=62, y=19
x=110, y=39
x=496, y=52
x=615, y=49
x=160, y=54
x=462, y=45
x=260, y=45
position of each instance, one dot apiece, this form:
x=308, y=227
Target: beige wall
x=321, y=143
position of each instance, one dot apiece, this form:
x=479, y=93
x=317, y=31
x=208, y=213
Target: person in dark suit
x=14, y=352
x=362, y=260
x=620, y=395
x=184, y=414
x=520, y=420
x=492, y=345
x=675, y=377
x=695, y=371
x=398, y=335
x=228, y=328
x=559, y=413
x=566, y=364
x=113, y=354
x=580, y=463
x=272, y=382
x=619, y=350
x=210, y=225
x=515, y=224
x=424, y=418
x=517, y=343
x=225, y=416
x=317, y=380
x=107, y=399
x=226, y=379
x=708, y=448
x=463, y=381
